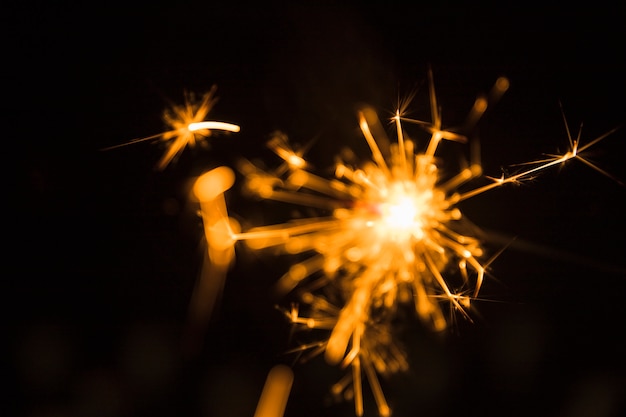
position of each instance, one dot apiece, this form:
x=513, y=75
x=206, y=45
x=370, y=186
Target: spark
x=574, y=152
x=374, y=349
x=188, y=127
x=390, y=237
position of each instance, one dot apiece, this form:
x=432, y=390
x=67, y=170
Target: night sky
x=104, y=251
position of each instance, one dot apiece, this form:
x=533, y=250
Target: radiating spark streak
x=601, y=171
x=303, y=200
x=401, y=146
x=573, y=153
x=596, y=140
x=188, y=127
x=576, y=149
x=301, y=178
x=278, y=144
x=478, y=109
x=298, y=272
x=442, y=283
x=434, y=107
x=285, y=232
x=354, y=313
x=275, y=392
x=358, y=390
x=481, y=104
x=435, y=128
x=379, y=397
x=133, y=141
x=377, y=156
x=371, y=351
x=462, y=177
x=512, y=179
x=572, y=143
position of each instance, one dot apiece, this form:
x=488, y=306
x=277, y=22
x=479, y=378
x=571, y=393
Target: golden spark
x=188, y=127
x=391, y=237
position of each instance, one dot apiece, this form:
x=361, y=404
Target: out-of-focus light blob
x=188, y=127
x=275, y=392
x=208, y=190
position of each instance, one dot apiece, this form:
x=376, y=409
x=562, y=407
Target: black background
x=103, y=251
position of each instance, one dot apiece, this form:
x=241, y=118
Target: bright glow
x=275, y=392
x=406, y=211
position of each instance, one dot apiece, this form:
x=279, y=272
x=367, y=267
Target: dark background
x=103, y=251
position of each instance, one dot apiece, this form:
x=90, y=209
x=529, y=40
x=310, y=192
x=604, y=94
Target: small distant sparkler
x=188, y=127
x=391, y=236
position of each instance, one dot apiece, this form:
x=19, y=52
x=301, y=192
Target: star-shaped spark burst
x=188, y=127
x=392, y=238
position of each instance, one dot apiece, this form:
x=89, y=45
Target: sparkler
x=188, y=127
x=390, y=237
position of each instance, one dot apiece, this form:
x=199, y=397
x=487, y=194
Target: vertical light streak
x=275, y=392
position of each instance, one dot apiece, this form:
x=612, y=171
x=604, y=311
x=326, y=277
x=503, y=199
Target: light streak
x=188, y=127
x=275, y=392
x=391, y=237
x=209, y=191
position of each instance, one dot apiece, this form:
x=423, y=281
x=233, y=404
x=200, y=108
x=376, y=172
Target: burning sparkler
x=188, y=127
x=391, y=236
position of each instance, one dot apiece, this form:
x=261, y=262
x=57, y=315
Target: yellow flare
x=379, y=397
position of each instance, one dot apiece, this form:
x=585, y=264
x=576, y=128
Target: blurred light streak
x=275, y=392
